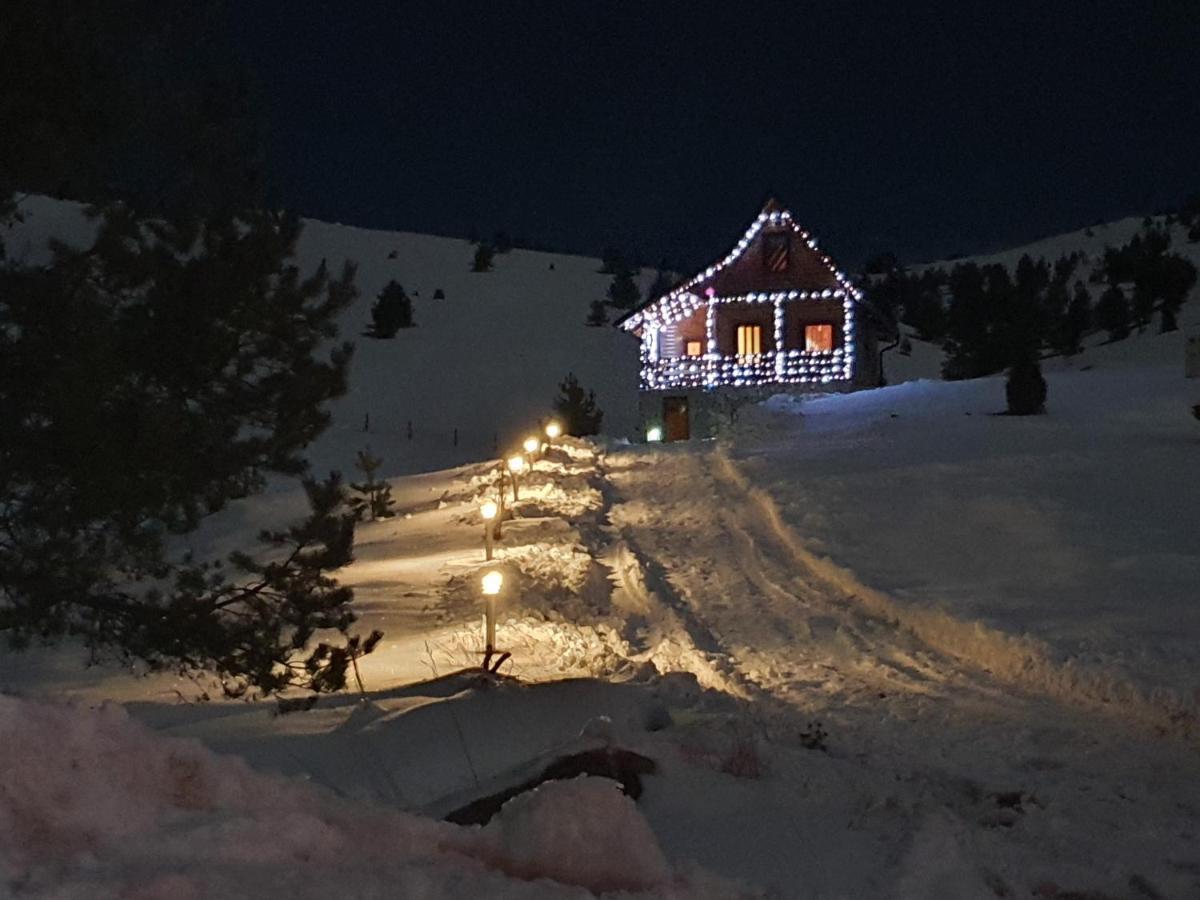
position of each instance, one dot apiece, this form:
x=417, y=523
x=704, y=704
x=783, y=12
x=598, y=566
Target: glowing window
x=818, y=337
x=749, y=339
x=693, y=348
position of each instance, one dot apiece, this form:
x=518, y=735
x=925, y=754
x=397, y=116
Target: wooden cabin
x=775, y=315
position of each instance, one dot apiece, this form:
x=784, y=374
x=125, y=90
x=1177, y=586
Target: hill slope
x=486, y=360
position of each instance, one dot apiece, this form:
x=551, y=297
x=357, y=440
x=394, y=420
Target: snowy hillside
x=486, y=360
x=883, y=645
x=925, y=360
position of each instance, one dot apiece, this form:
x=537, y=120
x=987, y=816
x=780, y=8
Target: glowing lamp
x=553, y=430
x=488, y=509
x=654, y=434
x=492, y=582
x=516, y=464
x=531, y=444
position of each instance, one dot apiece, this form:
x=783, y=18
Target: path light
x=492, y=582
x=653, y=434
x=488, y=510
x=553, y=430
x=516, y=465
x=531, y=445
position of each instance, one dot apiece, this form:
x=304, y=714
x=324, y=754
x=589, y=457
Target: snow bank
x=93, y=804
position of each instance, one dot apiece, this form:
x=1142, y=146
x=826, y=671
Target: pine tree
x=483, y=258
x=1068, y=336
x=391, y=311
x=662, y=284
x=1025, y=389
x=577, y=408
x=1112, y=313
x=597, y=315
x=166, y=367
x=623, y=292
x=373, y=497
x=612, y=262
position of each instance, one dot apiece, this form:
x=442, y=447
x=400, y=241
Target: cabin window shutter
x=776, y=251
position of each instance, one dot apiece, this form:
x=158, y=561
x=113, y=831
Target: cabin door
x=675, y=419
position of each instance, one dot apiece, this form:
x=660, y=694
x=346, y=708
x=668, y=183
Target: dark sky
x=927, y=129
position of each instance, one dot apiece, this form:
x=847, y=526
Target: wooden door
x=675, y=419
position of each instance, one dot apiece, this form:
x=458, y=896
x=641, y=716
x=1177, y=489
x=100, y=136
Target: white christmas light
x=714, y=370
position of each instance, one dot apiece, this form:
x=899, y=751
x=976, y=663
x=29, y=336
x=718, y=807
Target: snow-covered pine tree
x=373, y=496
x=577, y=408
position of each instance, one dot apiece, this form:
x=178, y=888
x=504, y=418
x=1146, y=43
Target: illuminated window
x=818, y=337
x=776, y=250
x=693, y=348
x=749, y=339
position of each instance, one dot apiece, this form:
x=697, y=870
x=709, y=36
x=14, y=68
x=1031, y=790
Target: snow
x=481, y=365
x=882, y=644
x=94, y=805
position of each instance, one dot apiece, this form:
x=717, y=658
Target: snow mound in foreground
x=93, y=804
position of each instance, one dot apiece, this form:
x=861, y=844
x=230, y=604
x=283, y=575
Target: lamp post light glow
x=492, y=582
x=553, y=430
x=488, y=510
x=516, y=465
x=532, y=444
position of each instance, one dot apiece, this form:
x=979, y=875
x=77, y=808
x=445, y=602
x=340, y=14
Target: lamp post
x=488, y=510
x=492, y=582
x=516, y=465
x=532, y=445
x=553, y=430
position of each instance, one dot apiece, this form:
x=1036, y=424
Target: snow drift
x=93, y=804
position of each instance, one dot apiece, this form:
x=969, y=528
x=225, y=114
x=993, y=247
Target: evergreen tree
x=1025, y=389
x=373, y=496
x=169, y=365
x=483, y=258
x=598, y=314
x=577, y=409
x=612, y=262
x=1112, y=313
x=662, y=284
x=1068, y=335
x=391, y=311
x=623, y=292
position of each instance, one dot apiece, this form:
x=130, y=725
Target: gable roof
x=741, y=271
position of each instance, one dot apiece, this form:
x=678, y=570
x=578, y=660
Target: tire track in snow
x=1019, y=660
x=737, y=593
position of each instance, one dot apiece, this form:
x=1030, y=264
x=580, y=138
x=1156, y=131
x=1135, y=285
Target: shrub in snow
x=584, y=832
x=597, y=314
x=577, y=408
x=1025, y=389
x=483, y=258
x=372, y=497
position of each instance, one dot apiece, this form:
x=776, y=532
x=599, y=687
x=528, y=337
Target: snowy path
x=719, y=568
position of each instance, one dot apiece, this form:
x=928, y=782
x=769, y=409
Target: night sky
x=661, y=127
